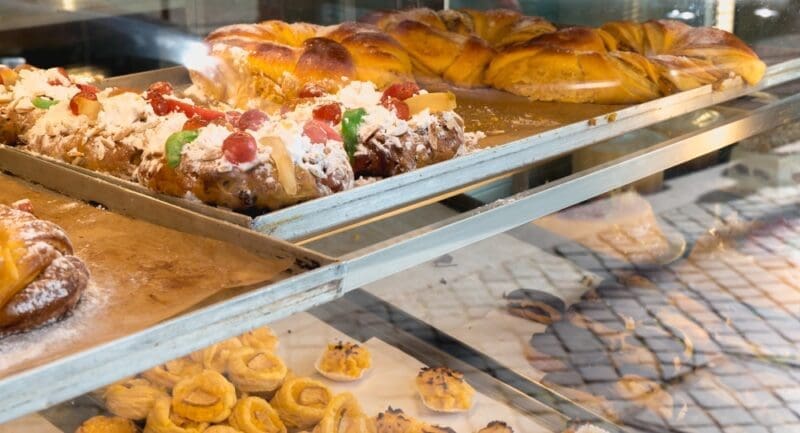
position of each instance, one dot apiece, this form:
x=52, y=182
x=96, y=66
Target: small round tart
x=396, y=421
x=344, y=361
x=301, y=402
x=444, y=390
x=496, y=427
x=256, y=370
x=215, y=357
x=169, y=374
x=132, y=399
x=344, y=415
x=105, y=424
x=260, y=338
x=207, y=397
x=163, y=420
x=255, y=415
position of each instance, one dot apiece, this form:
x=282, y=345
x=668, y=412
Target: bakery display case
x=410, y=216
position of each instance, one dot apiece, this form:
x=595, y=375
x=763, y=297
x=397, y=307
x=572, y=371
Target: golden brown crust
x=278, y=60
x=105, y=424
x=40, y=279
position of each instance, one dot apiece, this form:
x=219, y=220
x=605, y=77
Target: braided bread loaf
x=620, y=63
x=280, y=61
x=457, y=44
x=40, y=279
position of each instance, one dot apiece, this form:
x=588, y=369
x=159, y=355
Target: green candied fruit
x=43, y=102
x=351, y=120
x=175, y=144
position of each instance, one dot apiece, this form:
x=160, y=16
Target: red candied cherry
x=159, y=88
x=331, y=113
x=239, y=147
x=320, y=132
x=397, y=106
x=252, y=120
x=160, y=105
x=401, y=91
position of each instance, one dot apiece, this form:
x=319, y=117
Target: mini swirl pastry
x=40, y=279
x=496, y=427
x=162, y=419
x=215, y=357
x=256, y=370
x=260, y=338
x=344, y=361
x=395, y=421
x=255, y=415
x=104, y=424
x=444, y=390
x=132, y=398
x=169, y=374
x=344, y=415
x=207, y=397
x=301, y=402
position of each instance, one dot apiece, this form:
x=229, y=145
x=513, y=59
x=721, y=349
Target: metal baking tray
x=311, y=279
x=551, y=130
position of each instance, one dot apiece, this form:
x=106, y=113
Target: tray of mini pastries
x=82, y=283
x=302, y=375
x=300, y=129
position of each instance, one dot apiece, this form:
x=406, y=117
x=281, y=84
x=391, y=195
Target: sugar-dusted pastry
x=444, y=390
x=215, y=357
x=105, y=424
x=496, y=427
x=221, y=429
x=255, y=415
x=172, y=372
x=162, y=419
x=207, y=397
x=301, y=402
x=132, y=398
x=40, y=278
x=344, y=361
x=344, y=415
x=260, y=338
x=395, y=421
x=256, y=370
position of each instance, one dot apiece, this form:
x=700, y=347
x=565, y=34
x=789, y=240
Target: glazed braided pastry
x=622, y=62
x=280, y=61
x=40, y=279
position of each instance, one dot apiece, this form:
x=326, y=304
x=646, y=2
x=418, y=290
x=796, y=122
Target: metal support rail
x=321, y=215
x=402, y=252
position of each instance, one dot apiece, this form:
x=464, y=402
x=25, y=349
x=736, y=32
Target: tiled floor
x=707, y=343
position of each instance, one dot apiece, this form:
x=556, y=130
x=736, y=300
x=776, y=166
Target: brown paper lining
x=141, y=273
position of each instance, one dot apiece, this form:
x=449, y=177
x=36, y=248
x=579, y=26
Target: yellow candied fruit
x=345, y=358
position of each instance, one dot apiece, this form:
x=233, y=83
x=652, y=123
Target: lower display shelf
x=400, y=347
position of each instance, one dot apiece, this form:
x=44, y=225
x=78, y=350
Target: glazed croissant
x=40, y=279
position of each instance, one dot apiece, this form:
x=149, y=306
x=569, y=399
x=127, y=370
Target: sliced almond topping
x=260, y=362
x=199, y=397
